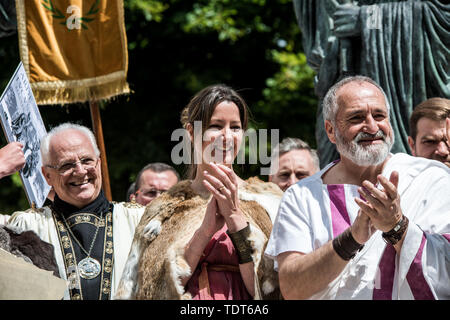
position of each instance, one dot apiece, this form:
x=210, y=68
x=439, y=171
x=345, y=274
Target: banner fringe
x=82, y=94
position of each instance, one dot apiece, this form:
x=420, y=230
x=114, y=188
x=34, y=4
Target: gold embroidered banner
x=73, y=50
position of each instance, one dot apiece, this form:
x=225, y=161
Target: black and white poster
x=21, y=121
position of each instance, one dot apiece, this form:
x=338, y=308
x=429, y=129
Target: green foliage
x=227, y=18
x=287, y=92
x=177, y=47
x=152, y=9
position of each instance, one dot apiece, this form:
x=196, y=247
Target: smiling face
x=79, y=186
x=223, y=135
x=431, y=141
x=361, y=132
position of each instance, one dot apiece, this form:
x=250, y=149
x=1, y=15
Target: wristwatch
x=395, y=234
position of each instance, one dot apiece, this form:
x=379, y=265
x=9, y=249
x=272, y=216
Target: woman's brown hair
x=202, y=106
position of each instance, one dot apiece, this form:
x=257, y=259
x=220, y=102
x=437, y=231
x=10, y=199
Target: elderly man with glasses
x=91, y=236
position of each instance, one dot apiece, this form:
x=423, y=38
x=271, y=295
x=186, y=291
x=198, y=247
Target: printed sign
x=21, y=121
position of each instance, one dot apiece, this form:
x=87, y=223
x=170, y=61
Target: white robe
x=126, y=217
x=312, y=213
x=4, y=218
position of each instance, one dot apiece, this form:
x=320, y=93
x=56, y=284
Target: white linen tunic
x=126, y=217
x=313, y=213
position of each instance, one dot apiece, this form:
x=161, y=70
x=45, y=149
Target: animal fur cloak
x=156, y=261
x=28, y=246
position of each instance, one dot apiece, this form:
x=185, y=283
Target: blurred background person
x=296, y=160
x=427, y=136
x=153, y=180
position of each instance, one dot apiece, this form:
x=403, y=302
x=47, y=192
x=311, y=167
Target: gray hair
x=155, y=167
x=45, y=141
x=289, y=144
x=329, y=104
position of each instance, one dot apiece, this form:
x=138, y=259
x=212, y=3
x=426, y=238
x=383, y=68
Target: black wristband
x=345, y=245
x=242, y=245
x=393, y=236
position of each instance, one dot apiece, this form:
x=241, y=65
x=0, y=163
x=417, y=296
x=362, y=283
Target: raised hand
x=213, y=221
x=381, y=206
x=222, y=182
x=362, y=228
x=12, y=158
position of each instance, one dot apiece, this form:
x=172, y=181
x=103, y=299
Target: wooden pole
x=98, y=131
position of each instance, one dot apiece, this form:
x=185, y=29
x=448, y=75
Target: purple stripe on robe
x=446, y=236
x=339, y=215
x=386, y=272
x=416, y=280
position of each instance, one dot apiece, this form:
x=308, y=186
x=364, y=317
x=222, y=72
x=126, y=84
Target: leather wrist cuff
x=393, y=236
x=242, y=245
x=345, y=245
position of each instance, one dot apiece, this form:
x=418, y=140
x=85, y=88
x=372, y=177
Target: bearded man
x=371, y=225
x=91, y=236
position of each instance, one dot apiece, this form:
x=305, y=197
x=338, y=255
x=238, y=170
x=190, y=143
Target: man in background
x=296, y=160
x=427, y=137
x=153, y=180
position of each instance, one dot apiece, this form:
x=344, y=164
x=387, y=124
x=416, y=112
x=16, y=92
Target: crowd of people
x=370, y=225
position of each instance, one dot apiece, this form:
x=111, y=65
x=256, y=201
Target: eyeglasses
x=69, y=168
x=152, y=193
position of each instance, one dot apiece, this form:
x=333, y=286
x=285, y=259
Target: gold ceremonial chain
x=89, y=268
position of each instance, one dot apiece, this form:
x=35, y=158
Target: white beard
x=364, y=156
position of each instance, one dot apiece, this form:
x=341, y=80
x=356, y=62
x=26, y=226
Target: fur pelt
x=156, y=262
x=28, y=246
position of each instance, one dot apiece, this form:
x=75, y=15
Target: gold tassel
x=82, y=94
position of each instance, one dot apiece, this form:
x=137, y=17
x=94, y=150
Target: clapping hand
x=222, y=182
x=213, y=221
x=381, y=206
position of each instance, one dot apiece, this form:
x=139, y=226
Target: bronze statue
x=402, y=45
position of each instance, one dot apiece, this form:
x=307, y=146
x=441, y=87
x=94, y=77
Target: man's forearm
x=302, y=276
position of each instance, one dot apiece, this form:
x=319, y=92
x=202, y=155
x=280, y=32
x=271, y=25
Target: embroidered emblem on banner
x=75, y=20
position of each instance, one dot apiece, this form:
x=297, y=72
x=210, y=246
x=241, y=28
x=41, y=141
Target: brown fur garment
x=180, y=211
x=30, y=247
